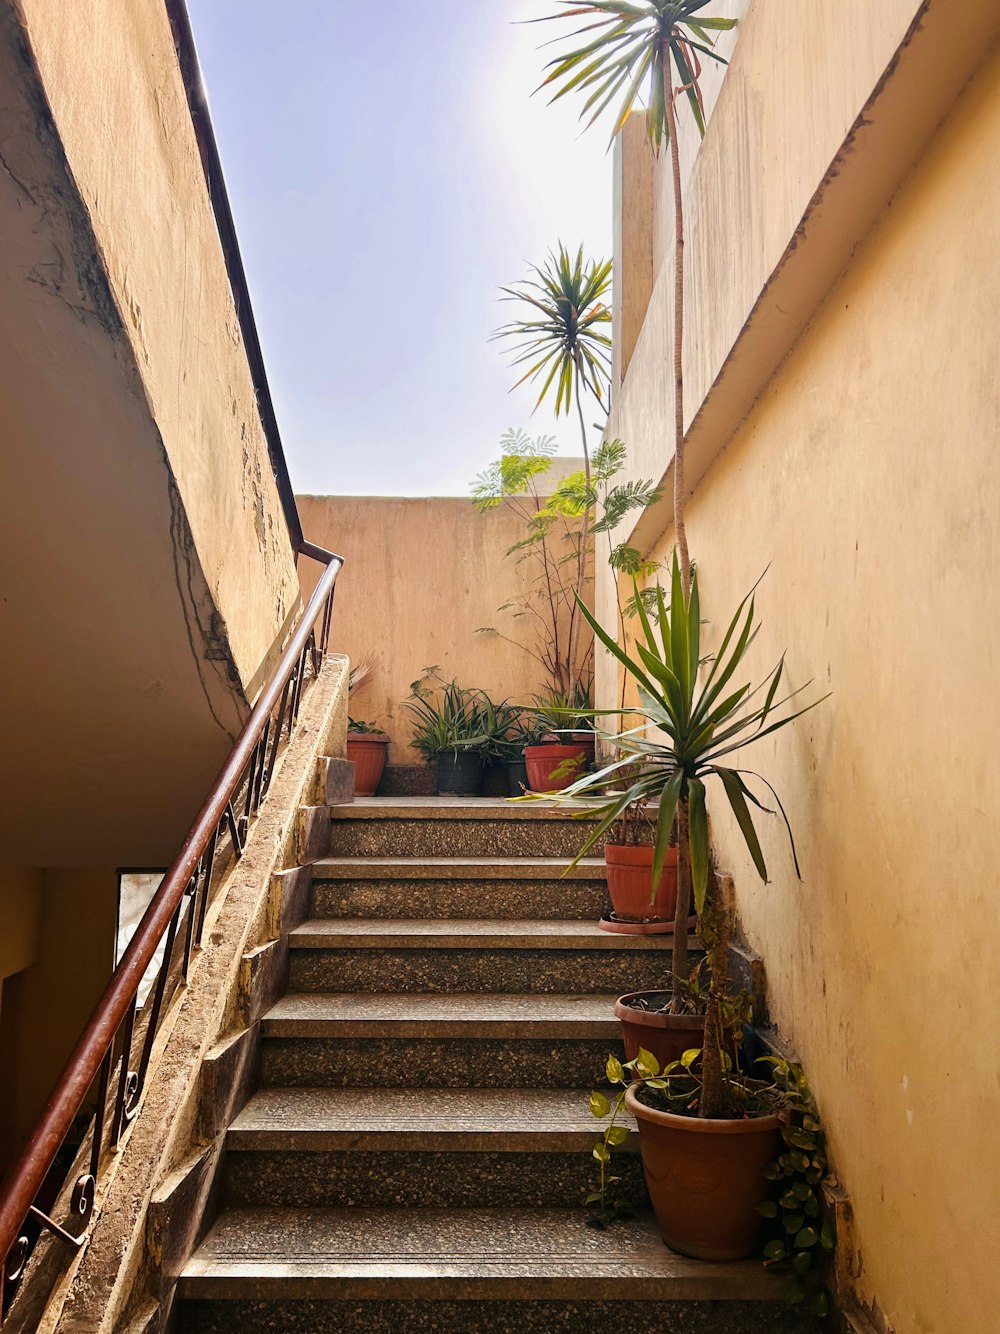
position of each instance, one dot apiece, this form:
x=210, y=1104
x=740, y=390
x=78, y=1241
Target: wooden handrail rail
x=91, y=1057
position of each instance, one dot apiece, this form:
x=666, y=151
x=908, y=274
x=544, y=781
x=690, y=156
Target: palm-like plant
x=689, y=731
x=563, y=341
x=629, y=44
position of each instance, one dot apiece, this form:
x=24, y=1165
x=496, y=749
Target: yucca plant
x=656, y=45
x=694, y=719
x=563, y=340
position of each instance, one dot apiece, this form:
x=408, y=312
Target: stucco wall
x=113, y=83
x=866, y=477
x=421, y=576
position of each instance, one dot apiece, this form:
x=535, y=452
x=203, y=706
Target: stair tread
x=352, y=1253
x=453, y=808
x=557, y=1120
x=306, y=1014
x=457, y=868
x=464, y=933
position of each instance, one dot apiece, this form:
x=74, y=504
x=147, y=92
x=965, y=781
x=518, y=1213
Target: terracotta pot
x=667, y=1036
x=704, y=1179
x=543, y=761
x=367, y=754
x=630, y=883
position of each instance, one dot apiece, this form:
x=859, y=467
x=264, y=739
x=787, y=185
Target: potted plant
x=509, y=748
x=565, y=747
x=692, y=720
x=628, y=859
x=367, y=747
x=454, y=729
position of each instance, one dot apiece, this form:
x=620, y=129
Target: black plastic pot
x=517, y=777
x=460, y=773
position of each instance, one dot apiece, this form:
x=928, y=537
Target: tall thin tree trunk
x=679, y=964
x=581, y=563
x=715, y=1102
x=680, y=531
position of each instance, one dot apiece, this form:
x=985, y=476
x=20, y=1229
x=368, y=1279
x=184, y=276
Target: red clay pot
x=367, y=754
x=630, y=883
x=543, y=761
x=704, y=1179
x=666, y=1036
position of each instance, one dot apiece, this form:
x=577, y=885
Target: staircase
x=420, y=1141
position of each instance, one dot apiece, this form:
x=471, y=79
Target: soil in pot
x=367, y=754
x=704, y=1178
x=666, y=1036
x=630, y=883
x=460, y=773
x=552, y=767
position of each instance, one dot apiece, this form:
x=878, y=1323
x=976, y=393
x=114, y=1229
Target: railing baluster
x=206, y=884
x=125, y=1074
x=192, y=916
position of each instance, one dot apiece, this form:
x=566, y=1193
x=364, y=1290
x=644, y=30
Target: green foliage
x=566, y=711
x=513, y=473
x=631, y=43
x=358, y=728
x=562, y=337
x=452, y=718
x=688, y=729
x=799, y=1236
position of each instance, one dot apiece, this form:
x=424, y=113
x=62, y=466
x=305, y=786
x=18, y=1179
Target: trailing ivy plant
x=799, y=1237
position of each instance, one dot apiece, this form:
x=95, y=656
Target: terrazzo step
x=467, y=886
x=315, y=1039
x=454, y=827
x=308, y=1271
x=468, y=955
x=326, y=1148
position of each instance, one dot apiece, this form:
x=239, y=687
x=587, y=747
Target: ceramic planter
x=460, y=773
x=704, y=1179
x=666, y=1036
x=367, y=754
x=630, y=880
x=543, y=762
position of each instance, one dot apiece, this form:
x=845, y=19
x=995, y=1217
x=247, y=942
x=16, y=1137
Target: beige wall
x=112, y=63
x=421, y=575
x=866, y=477
x=47, y=1001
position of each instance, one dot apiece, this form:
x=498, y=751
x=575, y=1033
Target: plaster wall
x=866, y=480
x=421, y=576
x=114, y=86
x=49, y=999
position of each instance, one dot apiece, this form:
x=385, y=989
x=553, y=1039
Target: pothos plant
x=799, y=1237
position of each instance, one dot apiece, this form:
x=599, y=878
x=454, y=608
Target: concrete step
x=463, y=1148
x=327, y=1040
x=455, y=827
x=493, y=887
x=309, y=1271
x=445, y=955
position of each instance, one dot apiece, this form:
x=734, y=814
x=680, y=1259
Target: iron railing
x=117, y=1044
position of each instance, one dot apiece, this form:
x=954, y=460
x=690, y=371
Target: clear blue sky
x=388, y=172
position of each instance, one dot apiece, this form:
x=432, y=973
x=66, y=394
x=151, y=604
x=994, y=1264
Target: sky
x=389, y=171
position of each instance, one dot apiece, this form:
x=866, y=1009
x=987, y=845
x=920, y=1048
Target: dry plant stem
x=679, y=964
x=715, y=1101
x=680, y=531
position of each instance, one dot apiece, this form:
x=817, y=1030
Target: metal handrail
x=251, y=761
